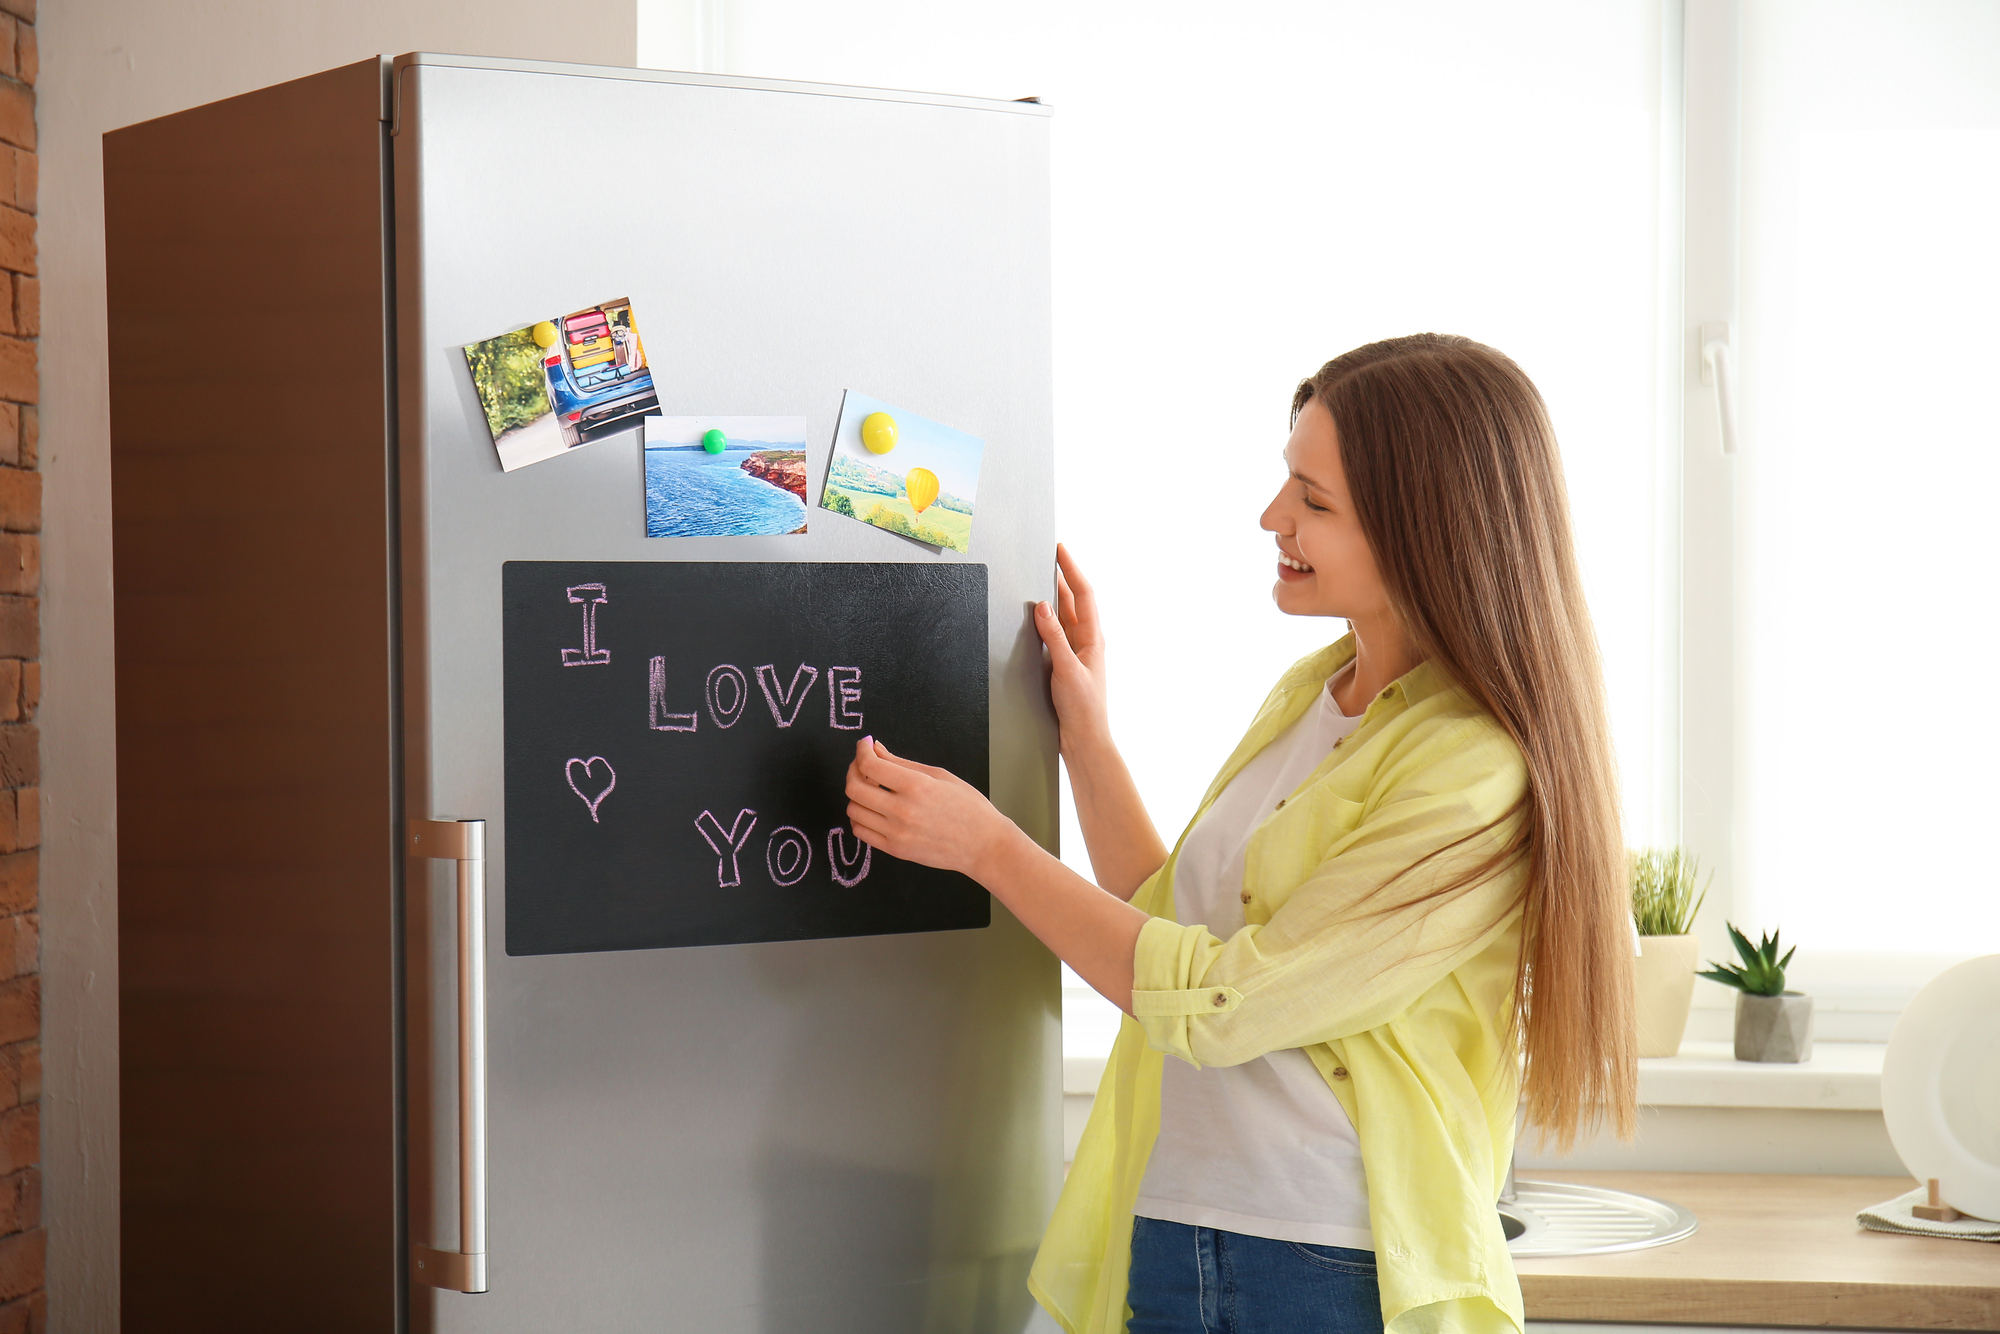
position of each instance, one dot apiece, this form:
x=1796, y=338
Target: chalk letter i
x=590, y=655
x=726, y=843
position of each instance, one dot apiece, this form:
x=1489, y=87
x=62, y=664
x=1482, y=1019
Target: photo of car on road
x=562, y=383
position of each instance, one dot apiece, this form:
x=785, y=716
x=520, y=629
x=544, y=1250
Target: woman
x=1407, y=879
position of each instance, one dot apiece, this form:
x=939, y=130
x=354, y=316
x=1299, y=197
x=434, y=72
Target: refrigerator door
x=840, y=1134
x=247, y=275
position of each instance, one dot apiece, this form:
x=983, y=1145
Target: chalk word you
x=788, y=852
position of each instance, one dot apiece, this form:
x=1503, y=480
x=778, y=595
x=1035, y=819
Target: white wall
x=108, y=63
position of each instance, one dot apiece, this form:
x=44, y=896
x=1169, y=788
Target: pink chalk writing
x=590, y=655
x=728, y=681
x=848, y=870
x=591, y=783
x=843, y=692
x=785, y=704
x=726, y=843
x=657, y=716
x=788, y=856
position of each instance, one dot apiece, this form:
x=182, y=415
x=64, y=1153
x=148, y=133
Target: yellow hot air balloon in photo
x=878, y=432
x=922, y=484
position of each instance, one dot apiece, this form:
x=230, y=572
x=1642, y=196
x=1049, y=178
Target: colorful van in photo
x=598, y=378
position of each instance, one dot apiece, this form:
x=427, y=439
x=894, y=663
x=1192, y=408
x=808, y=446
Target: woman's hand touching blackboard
x=919, y=812
x=925, y=814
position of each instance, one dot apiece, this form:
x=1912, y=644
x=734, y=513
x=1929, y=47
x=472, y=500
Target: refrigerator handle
x=463, y=842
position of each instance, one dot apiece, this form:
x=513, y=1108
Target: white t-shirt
x=1262, y=1148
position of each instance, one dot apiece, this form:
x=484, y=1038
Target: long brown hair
x=1452, y=465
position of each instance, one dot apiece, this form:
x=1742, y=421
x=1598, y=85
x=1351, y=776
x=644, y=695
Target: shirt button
x=1221, y=999
x=1246, y=896
x=1340, y=1072
x=1282, y=801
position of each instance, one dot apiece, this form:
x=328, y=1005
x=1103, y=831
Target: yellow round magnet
x=544, y=334
x=878, y=432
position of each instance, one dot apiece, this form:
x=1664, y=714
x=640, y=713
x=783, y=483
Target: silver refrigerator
x=355, y=1094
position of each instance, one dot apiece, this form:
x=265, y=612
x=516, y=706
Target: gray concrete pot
x=1773, y=1028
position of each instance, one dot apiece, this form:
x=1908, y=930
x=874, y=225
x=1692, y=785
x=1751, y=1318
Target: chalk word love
x=788, y=853
x=726, y=694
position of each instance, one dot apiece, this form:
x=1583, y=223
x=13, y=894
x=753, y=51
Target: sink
x=1548, y=1218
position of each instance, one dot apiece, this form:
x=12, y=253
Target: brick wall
x=23, y=1303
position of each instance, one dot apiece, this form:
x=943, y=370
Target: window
x=1241, y=193
x=1858, y=562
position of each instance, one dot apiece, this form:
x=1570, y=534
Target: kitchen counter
x=1771, y=1250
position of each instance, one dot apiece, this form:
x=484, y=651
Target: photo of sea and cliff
x=725, y=476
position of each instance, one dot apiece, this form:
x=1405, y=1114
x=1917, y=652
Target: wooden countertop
x=1771, y=1250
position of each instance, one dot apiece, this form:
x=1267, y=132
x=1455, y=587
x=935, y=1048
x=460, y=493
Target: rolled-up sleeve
x=1361, y=938
x=1167, y=955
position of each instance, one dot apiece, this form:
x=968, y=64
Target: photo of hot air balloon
x=903, y=473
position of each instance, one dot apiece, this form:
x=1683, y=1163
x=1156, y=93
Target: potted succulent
x=1772, y=1024
x=1664, y=902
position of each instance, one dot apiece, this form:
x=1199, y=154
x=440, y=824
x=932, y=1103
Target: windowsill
x=1841, y=1076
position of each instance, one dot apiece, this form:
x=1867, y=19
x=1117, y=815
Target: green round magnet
x=714, y=441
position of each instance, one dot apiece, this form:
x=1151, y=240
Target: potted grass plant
x=1772, y=1024
x=1664, y=902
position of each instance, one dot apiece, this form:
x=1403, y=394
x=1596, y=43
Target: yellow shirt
x=1403, y=1005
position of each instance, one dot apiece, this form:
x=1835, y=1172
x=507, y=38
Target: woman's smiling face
x=1324, y=565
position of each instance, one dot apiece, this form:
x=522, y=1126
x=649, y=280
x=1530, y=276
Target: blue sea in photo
x=692, y=493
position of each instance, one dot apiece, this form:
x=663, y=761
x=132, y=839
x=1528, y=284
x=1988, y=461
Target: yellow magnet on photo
x=922, y=484
x=544, y=334
x=878, y=432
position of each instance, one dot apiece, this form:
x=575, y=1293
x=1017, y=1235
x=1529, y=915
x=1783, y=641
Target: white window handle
x=1718, y=367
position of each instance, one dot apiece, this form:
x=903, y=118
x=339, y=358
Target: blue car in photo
x=598, y=379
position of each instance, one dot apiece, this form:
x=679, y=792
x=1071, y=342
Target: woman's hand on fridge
x=1124, y=846
x=1074, y=636
x=921, y=813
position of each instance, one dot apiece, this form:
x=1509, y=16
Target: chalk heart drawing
x=585, y=779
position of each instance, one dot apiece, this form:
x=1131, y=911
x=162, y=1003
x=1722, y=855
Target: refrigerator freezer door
x=249, y=366
x=842, y=1134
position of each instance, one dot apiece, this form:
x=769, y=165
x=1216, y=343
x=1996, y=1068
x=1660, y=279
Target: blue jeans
x=1202, y=1280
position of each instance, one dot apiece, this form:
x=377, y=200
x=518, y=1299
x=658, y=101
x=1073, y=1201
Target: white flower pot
x=1773, y=1028
x=1663, y=980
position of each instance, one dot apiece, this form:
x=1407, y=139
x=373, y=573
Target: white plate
x=1941, y=1086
